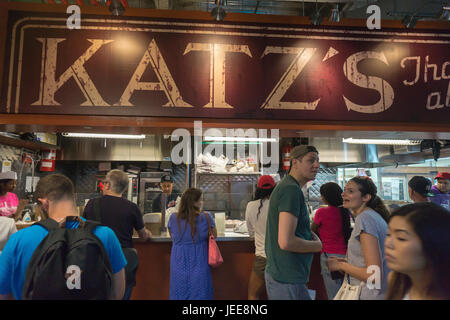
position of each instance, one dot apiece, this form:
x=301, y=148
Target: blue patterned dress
x=190, y=274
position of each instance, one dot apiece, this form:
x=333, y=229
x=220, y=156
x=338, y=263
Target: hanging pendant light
x=218, y=12
x=335, y=14
x=116, y=8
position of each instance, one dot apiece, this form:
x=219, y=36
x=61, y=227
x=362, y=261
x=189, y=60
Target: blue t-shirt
x=21, y=245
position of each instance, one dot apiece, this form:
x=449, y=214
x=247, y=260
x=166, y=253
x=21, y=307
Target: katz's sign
x=181, y=68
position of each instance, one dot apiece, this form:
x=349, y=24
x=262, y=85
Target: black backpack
x=69, y=264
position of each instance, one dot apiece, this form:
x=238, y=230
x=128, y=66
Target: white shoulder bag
x=347, y=291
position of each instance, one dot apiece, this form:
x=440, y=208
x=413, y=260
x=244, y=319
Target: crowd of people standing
x=364, y=248
x=381, y=255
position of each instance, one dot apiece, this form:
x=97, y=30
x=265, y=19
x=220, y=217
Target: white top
x=406, y=297
x=7, y=228
x=257, y=225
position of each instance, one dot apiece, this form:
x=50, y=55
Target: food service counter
x=230, y=280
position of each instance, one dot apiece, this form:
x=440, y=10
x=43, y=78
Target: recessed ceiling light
x=395, y=142
x=103, y=135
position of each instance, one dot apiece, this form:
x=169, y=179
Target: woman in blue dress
x=190, y=274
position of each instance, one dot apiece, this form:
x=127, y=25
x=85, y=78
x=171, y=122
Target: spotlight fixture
x=445, y=13
x=116, y=7
x=315, y=17
x=409, y=21
x=335, y=14
x=218, y=12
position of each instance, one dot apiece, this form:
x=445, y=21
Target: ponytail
x=259, y=208
x=346, y=227
x=262, y=194
x=378, y=205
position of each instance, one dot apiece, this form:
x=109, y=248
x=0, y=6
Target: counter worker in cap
x=289, y=242
x=9, y=203
x=442, y=190
x=419, y=189
x=167, y=198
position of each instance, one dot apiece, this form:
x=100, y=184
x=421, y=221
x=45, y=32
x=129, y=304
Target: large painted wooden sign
x=182, y=68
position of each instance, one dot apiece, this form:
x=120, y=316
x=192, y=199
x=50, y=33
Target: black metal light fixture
x=218, y=12
x=315, y=17
x=409, y=21
x=116, y=7
x=335, y=15
x=445, y=14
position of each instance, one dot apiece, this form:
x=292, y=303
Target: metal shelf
x=229, y=173
x=31, y=145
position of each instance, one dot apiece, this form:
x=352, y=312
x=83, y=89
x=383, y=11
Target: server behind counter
x=168, y=197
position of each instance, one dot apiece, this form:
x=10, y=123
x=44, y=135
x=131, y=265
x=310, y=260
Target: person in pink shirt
x=332, y=224
x=8, y=200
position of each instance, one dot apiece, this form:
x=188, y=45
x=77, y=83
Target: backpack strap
x=91, y=225
x=48, y=224
x=51, y=224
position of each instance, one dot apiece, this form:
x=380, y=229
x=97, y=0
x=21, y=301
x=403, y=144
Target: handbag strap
x=209, y=225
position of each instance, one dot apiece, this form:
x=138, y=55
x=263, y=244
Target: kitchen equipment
x=132, y=191
x=152, y=222
x=219, y=217
x=149, y=189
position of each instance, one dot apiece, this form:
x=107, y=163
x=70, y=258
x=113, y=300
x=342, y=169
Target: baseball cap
x=443, y=175
x=301, y=150
x=266, y=182
x=421, y=185
x=166, y=178
x=8, y=175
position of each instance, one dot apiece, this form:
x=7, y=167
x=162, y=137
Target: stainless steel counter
x=228, y=236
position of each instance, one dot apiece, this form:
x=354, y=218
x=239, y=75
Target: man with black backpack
x=122, y=216
x=63, y=256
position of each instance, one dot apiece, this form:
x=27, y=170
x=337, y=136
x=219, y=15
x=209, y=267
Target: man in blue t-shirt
x=56, y=197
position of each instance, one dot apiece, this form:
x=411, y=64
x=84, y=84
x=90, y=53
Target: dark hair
x=366, y=186
x=261, y=194
x=55, y=187
x=3, y=183
x=332, y=193
x=431, y=223
x=188, y=211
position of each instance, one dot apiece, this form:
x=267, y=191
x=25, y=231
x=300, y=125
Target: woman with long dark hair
x=256, y=218
x=365, y=266
x=332, y=224
x=190, y=274
x=418, y=253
